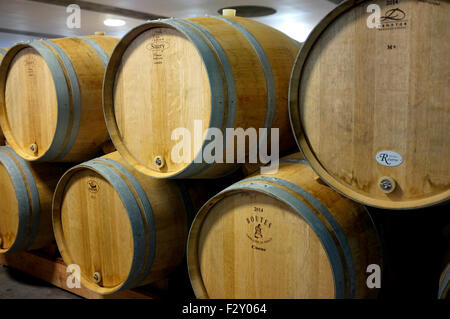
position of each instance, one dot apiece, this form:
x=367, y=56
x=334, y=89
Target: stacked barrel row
x=234, y=73
x=50, y=106
x=123, y=229
x=370, y=111
x=124, y=217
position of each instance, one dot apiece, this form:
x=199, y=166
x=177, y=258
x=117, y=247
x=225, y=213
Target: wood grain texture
x=45, y=177
x=358, y=91
x=2, y=137
x=94, y=230
x=29, y=99
x=29, y=88
x=171, y=93
x=9, y=216
x=143, y=108
x=247, y=243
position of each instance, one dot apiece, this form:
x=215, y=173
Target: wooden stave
x=33, y=185
x=72, y=117
x=226, y=90
x=302, y=140
x=350, y=290
x=229, y=95
x=117, y=171
x=2, y=54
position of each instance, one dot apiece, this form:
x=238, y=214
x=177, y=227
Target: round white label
x=389, y=158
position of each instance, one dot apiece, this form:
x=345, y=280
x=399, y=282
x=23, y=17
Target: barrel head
x=161, y=86
x=94, y=230
x=254, y=246
x=30, y=103
x=370, y=106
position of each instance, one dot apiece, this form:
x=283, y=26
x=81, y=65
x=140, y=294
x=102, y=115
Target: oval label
x=389, y=158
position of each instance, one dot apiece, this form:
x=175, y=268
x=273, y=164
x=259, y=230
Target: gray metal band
x=298, y=44
x=231, y=88
x=267, y=68
x=76, y=96
x=445, y=282
x=216, y=83
x=226, y=66
x=62, y=96
x=22, y=201
x=331, y=221
x=2, y=51
x=136, y=222
x=97, y=48
x=294, y=161
x=187, y=202
x=313, y=221
x=34, y=194
x=148, y=212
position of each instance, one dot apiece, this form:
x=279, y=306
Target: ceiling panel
x=50, y=20
x=37, y=20
x=295, y=17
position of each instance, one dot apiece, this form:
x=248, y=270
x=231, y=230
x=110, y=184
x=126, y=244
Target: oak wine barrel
x=26, y=202
x=283, y=236
x=2, y=53
x=122, y=228
x=370, y=106
x=51, y=98
x=227, y=72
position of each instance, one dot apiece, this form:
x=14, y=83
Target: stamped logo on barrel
x=394, y=19
x=93, y=186
x=258, y=230
x=157, y=45
x=391, y=17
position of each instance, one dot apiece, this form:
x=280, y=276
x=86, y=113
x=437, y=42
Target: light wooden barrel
x=51, y=98
x=282, y=236
x=224, y=72
x=370, y=107
x=2, y=137
x=122, y=228
x=26, y=202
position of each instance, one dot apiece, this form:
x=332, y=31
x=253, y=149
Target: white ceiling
x=294, y=17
